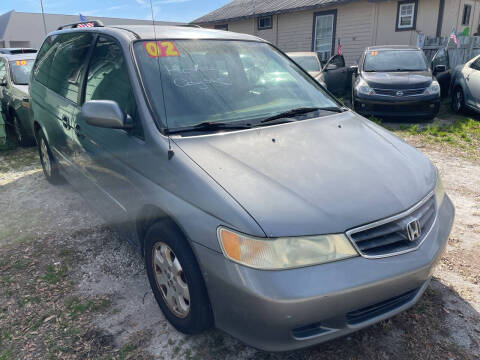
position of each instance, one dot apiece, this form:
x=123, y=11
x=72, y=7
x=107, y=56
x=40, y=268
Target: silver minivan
x=262, y=206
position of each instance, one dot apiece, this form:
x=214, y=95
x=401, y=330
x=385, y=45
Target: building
x=23, y=29
x=318, y=25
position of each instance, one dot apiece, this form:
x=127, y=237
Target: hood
x=317, y=176
x=398, y=80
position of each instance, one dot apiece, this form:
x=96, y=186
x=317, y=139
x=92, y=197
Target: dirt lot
x=70, y=289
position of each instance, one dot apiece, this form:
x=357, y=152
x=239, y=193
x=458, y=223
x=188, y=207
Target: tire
x=458, y=100
x=20, y=135
x=174, y=270
x=49, y=164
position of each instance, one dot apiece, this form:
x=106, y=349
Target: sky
x=164, y=10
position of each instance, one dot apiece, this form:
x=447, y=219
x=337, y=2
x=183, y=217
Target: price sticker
x=21, y=62
x=156, y=49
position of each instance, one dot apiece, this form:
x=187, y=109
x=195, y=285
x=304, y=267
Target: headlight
x=439, y=191
x=433, y=89
x=283, y=253
x=363, y=88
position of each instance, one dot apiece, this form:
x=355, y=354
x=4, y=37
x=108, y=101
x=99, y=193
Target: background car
x=396, y=81
x=14, y=78
x=333, y=74
x=13, y=51
x=465, y=86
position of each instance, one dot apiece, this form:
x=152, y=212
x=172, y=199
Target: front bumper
x=376, y=105
x=291, y=309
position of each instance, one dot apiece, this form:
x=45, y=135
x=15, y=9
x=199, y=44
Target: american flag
x=86, y=25
x=453, y=36
x=339, y=48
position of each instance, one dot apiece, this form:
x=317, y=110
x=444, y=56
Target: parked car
x=396, y=81
x=14, y=78
x=465, y=88
x=264, y=208
x=13, y=51
x=333, y=74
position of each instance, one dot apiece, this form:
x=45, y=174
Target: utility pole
x=43, y=16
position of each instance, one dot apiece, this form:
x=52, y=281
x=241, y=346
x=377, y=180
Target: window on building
x=467, y=10
x=406, y=15
x=222, y=27
x=265, y=22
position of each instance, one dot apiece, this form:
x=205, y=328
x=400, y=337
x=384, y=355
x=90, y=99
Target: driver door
x=335, y=74
x=441, y=57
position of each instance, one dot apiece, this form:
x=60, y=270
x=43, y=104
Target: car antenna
x=170, y=151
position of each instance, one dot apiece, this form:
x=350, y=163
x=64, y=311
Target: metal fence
x=468, y=47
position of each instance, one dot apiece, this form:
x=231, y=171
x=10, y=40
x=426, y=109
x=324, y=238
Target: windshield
x=395, y=60
x=20, y=70
x=223, y=81
x=309, y=63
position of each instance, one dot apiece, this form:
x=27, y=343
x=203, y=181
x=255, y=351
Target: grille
x=393, y=92
x=391, y=237
x=372, y=311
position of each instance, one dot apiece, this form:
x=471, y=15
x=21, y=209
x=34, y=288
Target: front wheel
x=458, y=100
x=176, y=279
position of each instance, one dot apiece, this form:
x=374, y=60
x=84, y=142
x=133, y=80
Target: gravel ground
x=71, y=289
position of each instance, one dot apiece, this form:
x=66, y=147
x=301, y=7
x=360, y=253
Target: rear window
x=395, y=60
x=20, y=70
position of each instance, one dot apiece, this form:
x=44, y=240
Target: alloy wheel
x=47, y=165
x=171, y=279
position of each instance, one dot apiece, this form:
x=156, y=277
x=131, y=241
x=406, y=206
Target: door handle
x=78, y=132
x=66, y=122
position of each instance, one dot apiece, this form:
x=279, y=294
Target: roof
x=171, y=32
x=243, y=9
x=14, y=57
x=392, y=47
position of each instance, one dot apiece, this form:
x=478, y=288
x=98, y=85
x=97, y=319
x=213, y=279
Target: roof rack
x=82, y=24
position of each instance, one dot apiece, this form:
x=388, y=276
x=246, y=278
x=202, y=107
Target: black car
x=396, y=81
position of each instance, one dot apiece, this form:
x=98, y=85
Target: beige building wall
x=360, y=24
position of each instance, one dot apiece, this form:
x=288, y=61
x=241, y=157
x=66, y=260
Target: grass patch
x=53, y=276
x=76, y=307
x=462, y=133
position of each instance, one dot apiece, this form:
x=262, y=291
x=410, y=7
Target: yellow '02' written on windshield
x=156, y=49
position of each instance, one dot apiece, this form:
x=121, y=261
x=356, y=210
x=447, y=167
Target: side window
x=68, y=64
x=440, y=58
x=3, y=70
x=476, y=64
x=41, y=69
x=108, y=79
x=338, y=60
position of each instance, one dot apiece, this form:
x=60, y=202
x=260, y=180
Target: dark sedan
x=395, y=81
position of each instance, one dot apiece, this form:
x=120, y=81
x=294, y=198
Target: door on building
x=324, y=25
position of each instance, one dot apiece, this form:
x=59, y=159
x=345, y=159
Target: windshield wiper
x=207, y=126
x=300, y=111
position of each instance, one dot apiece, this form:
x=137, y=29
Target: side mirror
x=439, y=69
x=353, y=69
x=105, y=114
x=330, y=67
x=3, y=82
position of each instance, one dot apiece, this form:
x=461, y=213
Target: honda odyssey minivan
x=261, y=205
